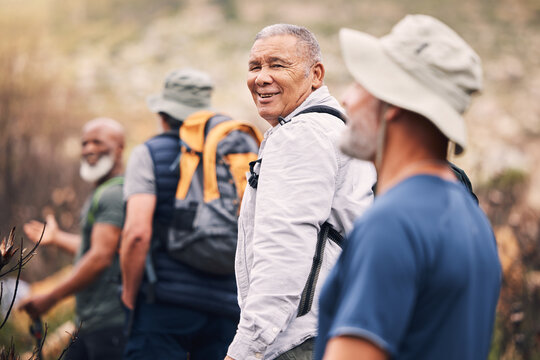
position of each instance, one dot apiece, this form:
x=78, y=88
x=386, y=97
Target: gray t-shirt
x=98, y=305
x=139, y=178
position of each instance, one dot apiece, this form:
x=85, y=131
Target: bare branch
x=74, y=338
x=6, y=249
x=16, y=287
x=28, y=256
x=8, y=354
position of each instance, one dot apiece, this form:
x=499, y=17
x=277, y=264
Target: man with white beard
x=96, y=273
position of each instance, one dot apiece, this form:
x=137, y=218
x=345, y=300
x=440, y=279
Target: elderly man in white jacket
x=303, y=197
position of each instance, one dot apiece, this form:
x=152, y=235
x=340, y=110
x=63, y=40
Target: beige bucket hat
x=422, y=66
x=185, y=91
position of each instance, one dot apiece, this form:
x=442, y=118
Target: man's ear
x=392, y=112
x=119, y=150
x=318, y=76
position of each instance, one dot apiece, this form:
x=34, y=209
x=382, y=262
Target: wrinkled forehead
x=277, y=46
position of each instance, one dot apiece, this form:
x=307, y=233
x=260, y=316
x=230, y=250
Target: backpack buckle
x=253, y=180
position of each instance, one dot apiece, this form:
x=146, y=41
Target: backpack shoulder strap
x=327, y=232
x=215, y=135
x=192, y=142
x=118, y=180
x=463, y=178
x=192, y=130
x=324, y=109
x=253, y=179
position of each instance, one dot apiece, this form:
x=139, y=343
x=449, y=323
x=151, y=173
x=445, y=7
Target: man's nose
x=263, y=77
x=87, y=149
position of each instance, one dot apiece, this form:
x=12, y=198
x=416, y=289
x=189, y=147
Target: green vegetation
x=507, y=179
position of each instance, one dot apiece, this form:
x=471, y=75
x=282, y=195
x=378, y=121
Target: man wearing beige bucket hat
x=419, y=277
x=174, y=309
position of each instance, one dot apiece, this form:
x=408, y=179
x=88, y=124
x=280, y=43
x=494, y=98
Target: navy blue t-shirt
x=419, y=275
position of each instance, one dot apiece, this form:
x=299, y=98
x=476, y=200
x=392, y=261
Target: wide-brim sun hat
x=185, y=92
x=422, y=66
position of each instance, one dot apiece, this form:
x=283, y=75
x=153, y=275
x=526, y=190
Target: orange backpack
x=214, y=159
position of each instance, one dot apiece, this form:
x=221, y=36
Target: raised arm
x=53, y=235
x=104, y=244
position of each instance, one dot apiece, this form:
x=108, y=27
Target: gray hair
x=303, y=35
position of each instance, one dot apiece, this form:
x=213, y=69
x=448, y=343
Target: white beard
x=93, y=173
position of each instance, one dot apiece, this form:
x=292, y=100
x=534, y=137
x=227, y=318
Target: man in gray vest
x=96, y=274
x=175, y=308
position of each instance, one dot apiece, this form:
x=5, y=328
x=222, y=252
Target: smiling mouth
x=266, y=96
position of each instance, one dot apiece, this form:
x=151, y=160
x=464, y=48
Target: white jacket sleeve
x=294, y=197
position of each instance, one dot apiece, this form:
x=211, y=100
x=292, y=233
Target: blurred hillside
x=63, y=63
x=88, y=58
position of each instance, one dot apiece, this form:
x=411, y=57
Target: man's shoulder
x=113, y=189
x=386, y=214
x=160, y=139
x=379, y=213
x=111, y=195
x=139, y=151
x=323, y=118
x=319, y=120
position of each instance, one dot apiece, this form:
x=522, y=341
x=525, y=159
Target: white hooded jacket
x=304, y=181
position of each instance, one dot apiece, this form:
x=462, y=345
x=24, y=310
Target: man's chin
x=271, y=118
x=91, y=178
x=358, y=151
x=97, y=172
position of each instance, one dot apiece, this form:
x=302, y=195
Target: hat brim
x=370, y=66
x=157, y=103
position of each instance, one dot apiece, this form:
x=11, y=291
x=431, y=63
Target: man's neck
x=398, y=166
x=413, y=146
x=116, y=171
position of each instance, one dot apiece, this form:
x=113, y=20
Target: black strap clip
x=253, y=180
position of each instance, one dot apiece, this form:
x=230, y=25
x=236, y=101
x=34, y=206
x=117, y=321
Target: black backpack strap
x=327, y=232
x=464, y=179
x=317, y=109
x=460, y=175
x=253, y=179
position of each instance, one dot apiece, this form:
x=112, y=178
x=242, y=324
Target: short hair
x=301, y=33
x=173, y=122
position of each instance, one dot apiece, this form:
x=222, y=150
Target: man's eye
x=277, y=66
x=254, y=68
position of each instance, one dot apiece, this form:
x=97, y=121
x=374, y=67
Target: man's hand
x=37, y=305
x=52, y=235
x=228, y=358
x=33, y=230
